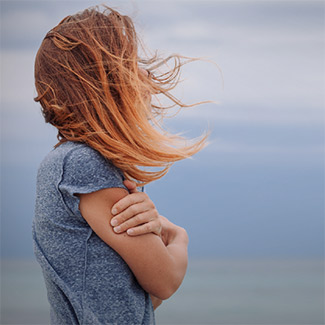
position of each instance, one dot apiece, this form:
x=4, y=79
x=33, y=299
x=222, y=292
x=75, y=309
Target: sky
x=257, y=189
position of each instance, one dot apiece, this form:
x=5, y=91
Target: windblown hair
x=91, y=88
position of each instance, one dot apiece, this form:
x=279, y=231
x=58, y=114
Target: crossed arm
x=158, y=262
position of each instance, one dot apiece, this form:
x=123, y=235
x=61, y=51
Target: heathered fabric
x=87, y=281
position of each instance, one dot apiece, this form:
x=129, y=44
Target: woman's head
x=94, y=88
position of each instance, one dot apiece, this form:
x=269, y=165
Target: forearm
x=177, y=249
x=170, y=265
x=159, y=266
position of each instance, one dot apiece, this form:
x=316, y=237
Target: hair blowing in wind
x=92, y=88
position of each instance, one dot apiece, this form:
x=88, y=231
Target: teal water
x=213, y=292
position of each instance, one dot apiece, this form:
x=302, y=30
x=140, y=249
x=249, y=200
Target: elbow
x=166, y=293
x=169, y=292
x=165, y=290
x=169, y=282
x=163, y=294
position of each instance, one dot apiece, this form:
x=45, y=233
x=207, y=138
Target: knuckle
x=147, y=227
x=157, y=224
x=130, y=199
x=134, y=197
x=127, y=225
x=122, y=220
x=133, y=210
x=143, y=195
x=137, y=219
x=154, y=214
x=121, y=217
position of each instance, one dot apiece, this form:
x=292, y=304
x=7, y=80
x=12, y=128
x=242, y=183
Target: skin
x=135, y=213
x=158, y=262
x=154, y=248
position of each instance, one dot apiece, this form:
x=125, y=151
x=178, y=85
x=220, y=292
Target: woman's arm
x=156, y=302
x=135, y=213
x=159, y=269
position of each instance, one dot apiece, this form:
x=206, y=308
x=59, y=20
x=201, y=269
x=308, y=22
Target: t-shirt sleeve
x=84, y=171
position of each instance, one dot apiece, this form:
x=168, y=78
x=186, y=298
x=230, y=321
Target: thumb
x=131, y=186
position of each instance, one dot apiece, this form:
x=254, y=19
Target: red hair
x=90, y=87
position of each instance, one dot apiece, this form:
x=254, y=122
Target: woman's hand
x=159, y=269
x=169, y=231
x=136, y=213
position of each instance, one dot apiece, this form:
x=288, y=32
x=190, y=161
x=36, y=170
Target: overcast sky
x=257, y=189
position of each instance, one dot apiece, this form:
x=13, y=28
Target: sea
x=214, y=291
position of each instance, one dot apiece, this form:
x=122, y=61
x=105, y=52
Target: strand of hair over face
x=91, y=88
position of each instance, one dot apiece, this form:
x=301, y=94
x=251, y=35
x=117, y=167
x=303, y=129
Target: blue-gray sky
x=258, y=189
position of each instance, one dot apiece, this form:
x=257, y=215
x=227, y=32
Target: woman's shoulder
x=75, y=152
x=78, y=159
x=82, y=165
x=72, y=149
x=81, y=155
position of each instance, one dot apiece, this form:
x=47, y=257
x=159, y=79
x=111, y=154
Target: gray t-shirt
x=87, y=281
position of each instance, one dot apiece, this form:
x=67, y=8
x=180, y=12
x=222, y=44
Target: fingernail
x=117, y=229
x=114, y=222
x=114, y=211
x=130, y=231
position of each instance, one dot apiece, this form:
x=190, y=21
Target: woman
x=96, y=91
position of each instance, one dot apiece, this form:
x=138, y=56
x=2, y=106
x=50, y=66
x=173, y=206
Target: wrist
x=171, y=233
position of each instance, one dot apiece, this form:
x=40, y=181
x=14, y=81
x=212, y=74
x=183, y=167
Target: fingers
x=138, y=220
x=131, y=186
x=131, y=213
x=135, y=211
x=149, y=227
x=127, y=202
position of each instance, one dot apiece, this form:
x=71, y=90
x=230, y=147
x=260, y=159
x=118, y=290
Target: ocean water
x=213, y=292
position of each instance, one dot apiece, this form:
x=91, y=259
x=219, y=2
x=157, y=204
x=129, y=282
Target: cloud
x=270, y=55
x=258, y=114
x=270, y=68
x=17, y=76
x=224, y=146
x=269, y=125
x=23, y=29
